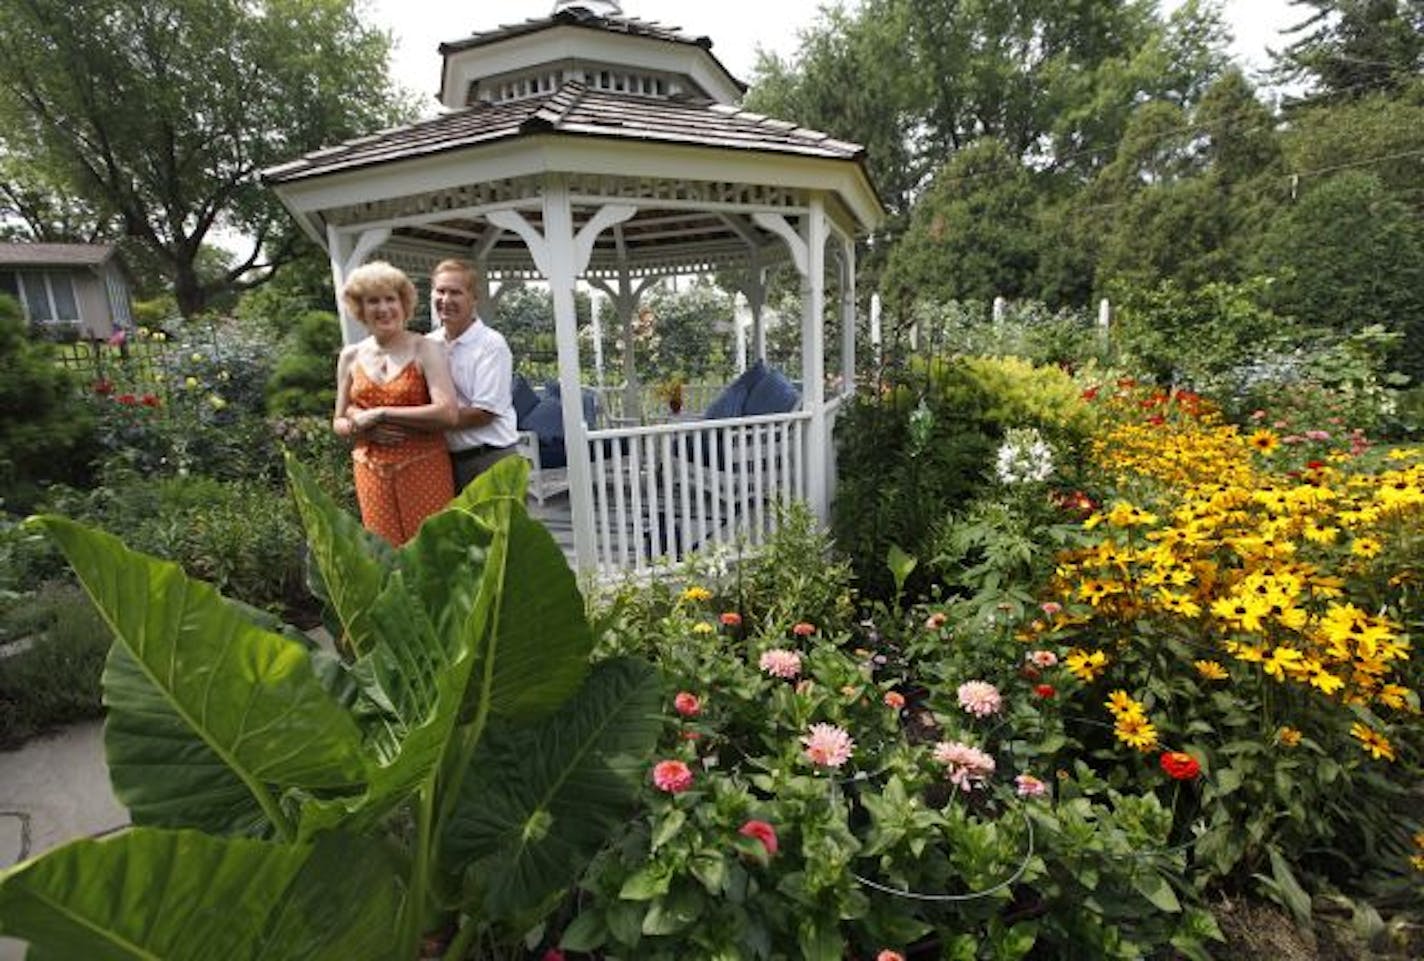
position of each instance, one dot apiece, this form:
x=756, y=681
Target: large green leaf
x=539, y=801
x=203, y=686
x=351, y=560
x=177, y=895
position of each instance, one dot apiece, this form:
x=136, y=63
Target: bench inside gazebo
x=589, y=146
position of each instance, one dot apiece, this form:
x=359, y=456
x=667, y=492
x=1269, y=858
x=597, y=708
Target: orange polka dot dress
x=399, y=485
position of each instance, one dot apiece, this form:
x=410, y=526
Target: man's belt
x=467, y=452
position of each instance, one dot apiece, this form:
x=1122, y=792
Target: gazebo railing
x=661, y=493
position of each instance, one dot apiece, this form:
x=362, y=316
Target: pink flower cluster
x=779, y=662
x=1044, y=659
x=979, y=698
x=827, y=745
x=674, y=777
x=966, y=767
x=1026, y=785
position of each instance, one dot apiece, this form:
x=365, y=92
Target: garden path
x=53, y=789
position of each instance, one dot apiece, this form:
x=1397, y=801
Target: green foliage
x=180, y=104
x=1351, y=48
x=55, y=680
x=45, y=429
x=1203, y=339
x=303, y=381
x=922, y=449
x=1346, y=228
x=465, y=709
x=972, y=235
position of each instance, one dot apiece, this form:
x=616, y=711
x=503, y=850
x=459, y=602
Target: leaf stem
x=419, y=874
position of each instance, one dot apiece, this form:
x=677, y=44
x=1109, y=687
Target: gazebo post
x=847, y=313
x=562, y=274
x=348, y=253
x=813, y=355
x=625, y=300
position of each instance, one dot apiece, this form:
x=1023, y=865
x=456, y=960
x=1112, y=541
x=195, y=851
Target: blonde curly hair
x=377, y=277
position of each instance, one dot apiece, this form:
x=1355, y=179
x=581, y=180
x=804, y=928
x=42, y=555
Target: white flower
x=1024, y=457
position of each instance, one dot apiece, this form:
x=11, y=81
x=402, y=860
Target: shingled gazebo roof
x=575, y=110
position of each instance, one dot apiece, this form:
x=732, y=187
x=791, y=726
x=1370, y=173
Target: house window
x=48, y=296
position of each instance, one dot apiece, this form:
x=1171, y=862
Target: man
x=481, y=367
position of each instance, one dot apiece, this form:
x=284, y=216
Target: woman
x=394, y=400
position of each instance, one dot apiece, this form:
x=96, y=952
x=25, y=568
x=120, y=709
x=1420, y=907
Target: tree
x=973, y=234
x=1188, y=194
x=1352, y=48
x=1349, y=255
x=45, y=427
x=163, y=112
x=34, y=207
x=849, y=78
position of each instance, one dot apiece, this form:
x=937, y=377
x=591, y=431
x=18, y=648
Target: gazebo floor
x=557, y=515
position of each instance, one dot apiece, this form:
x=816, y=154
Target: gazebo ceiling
x=655, y=240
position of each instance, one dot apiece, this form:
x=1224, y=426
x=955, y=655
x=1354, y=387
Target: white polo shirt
x=482, y=368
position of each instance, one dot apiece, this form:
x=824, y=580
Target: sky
x=736, y=27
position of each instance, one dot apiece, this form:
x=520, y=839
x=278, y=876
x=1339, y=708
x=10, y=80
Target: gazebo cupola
x=589, y=146
x=577, y=44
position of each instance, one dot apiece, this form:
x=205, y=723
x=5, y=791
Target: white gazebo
x=591, y=146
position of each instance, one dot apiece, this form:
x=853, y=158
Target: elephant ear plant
x=462, y=761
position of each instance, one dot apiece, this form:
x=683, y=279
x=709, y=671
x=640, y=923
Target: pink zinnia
x=763, y=832
x=1042, y=658
x=779, y=662
x=888, y=955
x=828, y=745
x=687, y=704
x=1029, y=786
x=1051, y=607
x=730, y=619
x=804, y=629
x=966, y=767
x=674, y=777
x=894, y=699
x=979, y=698
x=936, y=620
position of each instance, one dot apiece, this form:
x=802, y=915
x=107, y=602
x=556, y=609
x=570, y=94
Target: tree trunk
x=188, y=291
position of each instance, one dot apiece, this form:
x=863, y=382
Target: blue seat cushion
x=547, y=420
x=773, y=394
x=525, y=400
x=589, y=398
x=730, y=402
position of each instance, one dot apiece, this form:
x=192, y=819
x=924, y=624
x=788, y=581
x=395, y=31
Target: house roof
x=54, y=255
x=574, y=110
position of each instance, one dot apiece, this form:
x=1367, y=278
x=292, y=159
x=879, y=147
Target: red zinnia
x=731, y=619
x=150, y=400
x=763, y=832
x=687, y=704
x=128, y=400
x=674, y=777
x=103, y=387
x=1180, y=766
x=804, y=629
x=1045, y=691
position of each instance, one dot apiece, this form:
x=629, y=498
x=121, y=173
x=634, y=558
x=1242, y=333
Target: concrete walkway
x=53, y=789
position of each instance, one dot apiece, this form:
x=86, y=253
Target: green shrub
x=922, y=448
x=242, y=535
x=304, y=379
x=45, y=430
x=55, y=681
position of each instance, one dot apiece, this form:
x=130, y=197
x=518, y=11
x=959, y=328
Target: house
x=67, y=290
